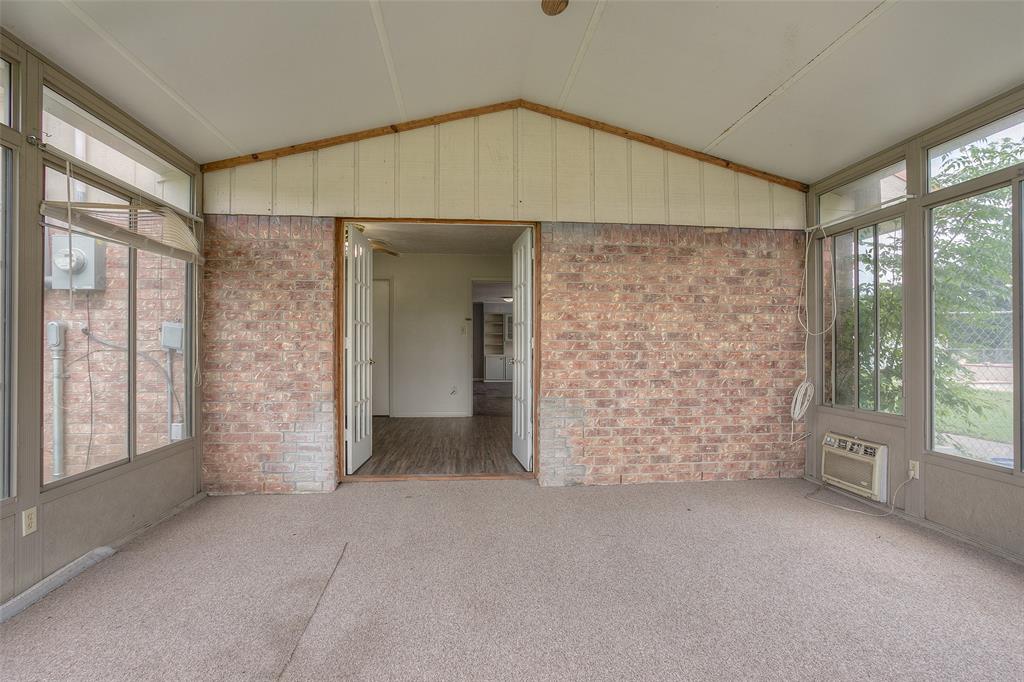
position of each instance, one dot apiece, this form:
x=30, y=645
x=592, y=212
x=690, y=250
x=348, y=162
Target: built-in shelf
x=494, y=334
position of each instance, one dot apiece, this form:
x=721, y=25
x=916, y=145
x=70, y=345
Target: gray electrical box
x=172, y=335
x=83, y=266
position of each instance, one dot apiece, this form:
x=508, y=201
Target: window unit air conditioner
x=855, y=465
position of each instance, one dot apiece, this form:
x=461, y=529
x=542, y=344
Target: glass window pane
x=987, y=149
x=890, y=316
x=84, y=342
x=864, y=193
x=162, y=346
x=846, y=319
x=5, y=93
x=827, y=308
x=866, y=318
x=75, y=131
x=972, y=328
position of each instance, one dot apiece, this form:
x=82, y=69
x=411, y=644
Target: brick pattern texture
x=268, y=325
x=669, y=353
x=95, y=397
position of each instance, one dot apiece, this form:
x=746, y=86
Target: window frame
x=895, y=211
x=917, y=280
x=60, y=83
x=113, y=186
x=929, y=413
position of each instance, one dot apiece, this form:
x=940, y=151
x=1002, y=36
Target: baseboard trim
x=950, y=533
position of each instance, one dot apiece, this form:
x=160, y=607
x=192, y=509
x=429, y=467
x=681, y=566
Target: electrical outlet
x=915, y=469
x=28, y=521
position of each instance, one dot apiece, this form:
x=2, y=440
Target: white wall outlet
x=28, y=521
x=914, y=471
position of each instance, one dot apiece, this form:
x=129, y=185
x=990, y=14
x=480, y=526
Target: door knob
x=372, y=361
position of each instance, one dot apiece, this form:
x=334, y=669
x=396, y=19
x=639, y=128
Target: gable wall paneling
x=513, y=164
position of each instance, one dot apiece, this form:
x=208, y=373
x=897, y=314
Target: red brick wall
x=268, y=325
x=668, y=353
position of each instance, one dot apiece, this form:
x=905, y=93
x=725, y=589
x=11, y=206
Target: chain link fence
x=982, y=345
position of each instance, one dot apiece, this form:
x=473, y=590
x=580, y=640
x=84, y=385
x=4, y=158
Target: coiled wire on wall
x=804, y=394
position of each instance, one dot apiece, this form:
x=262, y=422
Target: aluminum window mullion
x=878, y=332
x=856, y=318
x=133, y=270
x=1017, y=223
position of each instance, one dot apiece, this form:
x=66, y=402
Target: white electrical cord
x=804, y=395
x=892, y=506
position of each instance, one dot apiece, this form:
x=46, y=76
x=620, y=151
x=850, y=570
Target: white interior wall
x=432, y=330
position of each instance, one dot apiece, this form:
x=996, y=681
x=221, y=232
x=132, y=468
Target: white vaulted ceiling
x=795, y=88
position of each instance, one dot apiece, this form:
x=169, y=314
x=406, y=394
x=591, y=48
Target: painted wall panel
x=647, y=180
x=252, y=189
x=293, y=190
x=509, y=165
x=496, y=153
x=417, y=165
x=788, y=208
x=721, y=207
x=536, y=166
x=336, y=181
x=574, y=167
x=375, y=177
x=685, y=203
x=457, y=169
x=611, y=178
x=217, y=191
x=8, y=526
x=755, y=201
x=115, y=507
x=431, y=341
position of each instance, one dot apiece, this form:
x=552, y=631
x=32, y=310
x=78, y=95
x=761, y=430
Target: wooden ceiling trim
x=490, y=109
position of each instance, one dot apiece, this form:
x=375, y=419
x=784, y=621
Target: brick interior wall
x=668, y=353
x=95, y=395
x=268, y=325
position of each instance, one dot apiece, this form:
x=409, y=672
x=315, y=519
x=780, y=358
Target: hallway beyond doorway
x=450, y=446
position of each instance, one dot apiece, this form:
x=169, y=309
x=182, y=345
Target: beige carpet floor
x=503, y=580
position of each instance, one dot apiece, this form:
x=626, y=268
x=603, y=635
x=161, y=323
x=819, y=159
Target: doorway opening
x=437, y=357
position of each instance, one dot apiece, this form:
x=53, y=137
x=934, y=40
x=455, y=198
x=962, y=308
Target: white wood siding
x=509, y=165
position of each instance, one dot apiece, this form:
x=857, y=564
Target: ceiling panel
x=269, y=74
x=917, y=65
x=64, y=39
x=266, y=74
x=685, y=71
x=456, y=55
x=446, y=238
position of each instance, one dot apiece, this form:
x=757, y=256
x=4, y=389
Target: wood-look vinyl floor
x=492, y=398
x=441, y=445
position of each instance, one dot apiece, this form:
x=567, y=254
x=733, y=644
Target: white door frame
x=343, y=312
x=358, y=348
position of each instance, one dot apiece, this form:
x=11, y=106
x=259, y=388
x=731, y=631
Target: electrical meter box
x=82, y=267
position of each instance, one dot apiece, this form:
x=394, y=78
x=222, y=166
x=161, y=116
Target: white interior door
x=522, y=349
x=380, y=388
x=358, y=346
